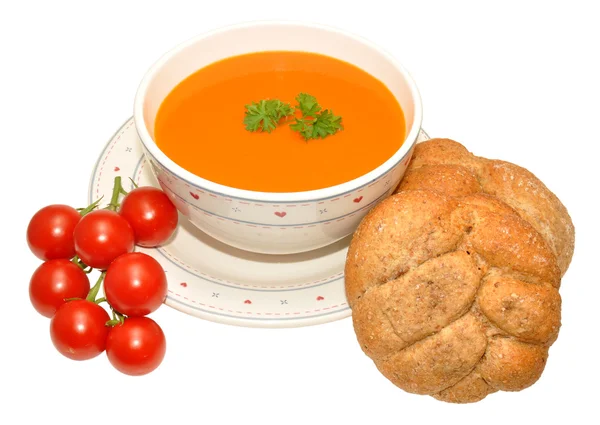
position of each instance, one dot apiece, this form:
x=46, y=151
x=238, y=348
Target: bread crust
x=453, y=281
x=446, y=166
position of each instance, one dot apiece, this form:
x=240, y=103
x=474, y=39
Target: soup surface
x=200, y=123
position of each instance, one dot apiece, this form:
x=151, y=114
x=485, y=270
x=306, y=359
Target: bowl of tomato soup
x=275, y=137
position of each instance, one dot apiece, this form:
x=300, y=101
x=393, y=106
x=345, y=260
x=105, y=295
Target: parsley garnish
x=265, y=115
x=308, y=105
x=315, y=123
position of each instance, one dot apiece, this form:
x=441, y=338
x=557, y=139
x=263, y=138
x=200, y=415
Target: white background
x=518, y=81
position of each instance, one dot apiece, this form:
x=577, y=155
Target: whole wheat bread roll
x=453, y=281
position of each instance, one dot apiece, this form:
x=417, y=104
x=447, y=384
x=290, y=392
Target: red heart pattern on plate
x=195, y=196
x=320, y=298
x=247, y=302
x=183, y=284
x=117, y=169
x=280, y=214
x=357, y=200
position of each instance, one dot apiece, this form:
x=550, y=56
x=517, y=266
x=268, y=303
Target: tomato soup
x=200, y=123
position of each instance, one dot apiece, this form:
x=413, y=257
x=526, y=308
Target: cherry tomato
x=78, y=329
x=135, y=284
x=151, y=214
x=101, y=236
x=137, y=346
x=50, y=232
x=53, y=282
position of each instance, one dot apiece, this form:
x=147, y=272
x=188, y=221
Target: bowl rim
x=274, y=197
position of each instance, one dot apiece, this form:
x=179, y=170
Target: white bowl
x=274, y=223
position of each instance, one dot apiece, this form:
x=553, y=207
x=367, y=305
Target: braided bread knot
x=454, y=291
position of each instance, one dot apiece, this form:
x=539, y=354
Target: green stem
x=117, y=318
x=133, y=183
x=90, y=208
x=96, y=288
x=120, y=317
x=117, y=191
x=80, y=264
x=100, y=300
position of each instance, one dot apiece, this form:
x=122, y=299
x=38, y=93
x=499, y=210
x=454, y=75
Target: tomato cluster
x=72, y=243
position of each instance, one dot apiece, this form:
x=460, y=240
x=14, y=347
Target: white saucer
x=214, y=281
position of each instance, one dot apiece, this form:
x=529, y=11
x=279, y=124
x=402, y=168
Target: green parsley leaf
x=304, y=126
x=315, y=123
x=323, y=125
x=308, y=105
x=326, y=124
x=265, y=114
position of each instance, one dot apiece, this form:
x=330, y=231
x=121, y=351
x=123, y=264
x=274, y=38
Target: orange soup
x=200, y=123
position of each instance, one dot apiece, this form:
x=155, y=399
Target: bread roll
x=453, y=281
